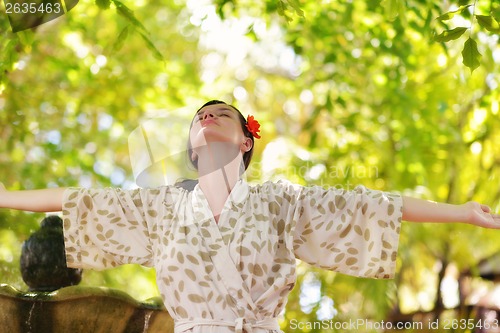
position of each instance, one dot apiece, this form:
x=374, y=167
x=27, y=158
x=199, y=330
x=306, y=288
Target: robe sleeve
x=351, y=232
x=108, y=227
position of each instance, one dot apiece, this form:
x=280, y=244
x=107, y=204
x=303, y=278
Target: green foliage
x=103, y=4
x=488, y=22
x=448, y=35
x=470, y=54
x=393, y=8
x=143, y=32
x=449, y=15
x=348, y=92
x=285, y=6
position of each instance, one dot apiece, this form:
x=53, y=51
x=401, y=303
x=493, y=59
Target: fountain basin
x=80, y=309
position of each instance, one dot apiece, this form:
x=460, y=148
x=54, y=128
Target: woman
x=225, y=252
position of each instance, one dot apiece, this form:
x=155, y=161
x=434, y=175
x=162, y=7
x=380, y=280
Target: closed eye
x=219, y=113
x=225, y=113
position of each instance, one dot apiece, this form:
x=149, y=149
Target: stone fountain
x=55, y=303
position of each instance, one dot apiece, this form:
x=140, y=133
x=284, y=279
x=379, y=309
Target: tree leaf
x=103, y=4
x=283, y=6
x=496, y=14
x=471, y=55
x=449, y=15
x=156, y=53
x=448, y=35
x=488, y=22
x=391, y=8
x=120, y=40
x=295, y=4
x=129, y=15
x=220, y=7
x=9, y=57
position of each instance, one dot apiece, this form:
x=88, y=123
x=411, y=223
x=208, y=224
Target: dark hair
x=247, y=157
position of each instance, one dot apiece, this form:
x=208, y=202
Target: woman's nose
x=207, y=115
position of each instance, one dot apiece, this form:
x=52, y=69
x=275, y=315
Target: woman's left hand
x=481, y=215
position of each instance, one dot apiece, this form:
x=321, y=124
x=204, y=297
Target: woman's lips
x=208, y=122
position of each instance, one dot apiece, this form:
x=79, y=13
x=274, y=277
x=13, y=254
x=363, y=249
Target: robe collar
x=238, y=195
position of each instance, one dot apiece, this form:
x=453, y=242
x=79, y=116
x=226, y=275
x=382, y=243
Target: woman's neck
x=220, y=166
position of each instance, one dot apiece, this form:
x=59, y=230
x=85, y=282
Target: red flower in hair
x=253, y=127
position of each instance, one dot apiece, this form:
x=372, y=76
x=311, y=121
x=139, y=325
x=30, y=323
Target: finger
x=485, y=208
x=494, y=221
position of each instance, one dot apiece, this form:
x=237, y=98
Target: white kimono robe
x=234, y=275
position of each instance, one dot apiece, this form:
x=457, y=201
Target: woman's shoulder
x=274, y=187
x=185, y=184
x=284, y=186
x=163, y=191
x=180, y=187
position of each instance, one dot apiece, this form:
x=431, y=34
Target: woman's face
x=218, y=123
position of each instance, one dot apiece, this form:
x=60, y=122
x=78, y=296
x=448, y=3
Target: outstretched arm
x=417, y=210
x=48, y=200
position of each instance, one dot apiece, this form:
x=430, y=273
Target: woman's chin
x=211, y=137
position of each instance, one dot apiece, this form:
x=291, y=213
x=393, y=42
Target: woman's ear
x=247, y=145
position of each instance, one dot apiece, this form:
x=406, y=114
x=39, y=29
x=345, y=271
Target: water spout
x=147, y=318
x=29, y=324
